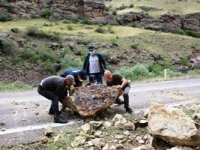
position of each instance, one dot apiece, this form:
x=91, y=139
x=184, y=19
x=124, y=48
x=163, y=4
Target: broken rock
x=172, y=125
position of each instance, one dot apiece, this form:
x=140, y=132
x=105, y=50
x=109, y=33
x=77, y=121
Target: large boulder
x=172, y=125
x=89, y=100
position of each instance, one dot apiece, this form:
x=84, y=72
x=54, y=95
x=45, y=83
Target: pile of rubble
x=162, y=127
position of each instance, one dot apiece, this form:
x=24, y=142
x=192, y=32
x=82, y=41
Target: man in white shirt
x=94, y=65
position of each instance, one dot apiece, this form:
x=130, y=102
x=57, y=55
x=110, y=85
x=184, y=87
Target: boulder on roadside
x=90, y=100
x=172, y=125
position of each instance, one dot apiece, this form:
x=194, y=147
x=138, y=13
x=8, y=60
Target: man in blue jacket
x=79, y=76
x=94, y=65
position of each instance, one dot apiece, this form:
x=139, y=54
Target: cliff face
x=59, y=8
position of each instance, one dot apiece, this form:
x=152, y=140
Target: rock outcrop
x=89, y=100
x=58, y=9
x=172, y=125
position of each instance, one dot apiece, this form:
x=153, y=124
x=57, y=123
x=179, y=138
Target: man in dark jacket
x=123, y=86
x=56, y=88
x=79, y=76
x=94, y=65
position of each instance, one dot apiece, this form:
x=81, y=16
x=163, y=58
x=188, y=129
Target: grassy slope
x=166, y=44
x=167, y=6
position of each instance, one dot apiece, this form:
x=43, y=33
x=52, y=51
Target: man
x=123, y=85
x=79, y=76
x=56, y=88
x=94, y=65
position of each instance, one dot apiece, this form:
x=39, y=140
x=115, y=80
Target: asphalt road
x=24, y=118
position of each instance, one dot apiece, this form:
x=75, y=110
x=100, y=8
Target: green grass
x=16, y=86
x=165, y=6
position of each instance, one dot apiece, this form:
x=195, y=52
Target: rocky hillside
x=58, y=9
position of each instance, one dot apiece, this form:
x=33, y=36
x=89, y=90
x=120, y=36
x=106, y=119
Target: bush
x=4, y=16
x=100, y=30
x=29, y=55
x=35, y=32
x=110, y=30
x=70, y=62
x=155, y=68
x=48, y=65
x=192, y=33
x=86, y=21
x=134, y=45
x=114, y=12
x=46, y=56
x=6, y=46
x=184, y=61
x=46, y=13
x=69, y=27
x=137, y=72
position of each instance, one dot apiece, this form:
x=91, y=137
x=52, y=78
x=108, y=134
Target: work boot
x=119, y=101
x=129, y=110
x=59, y=119
x=51, y=112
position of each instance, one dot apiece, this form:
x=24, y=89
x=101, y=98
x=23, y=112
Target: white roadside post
x=165, y=74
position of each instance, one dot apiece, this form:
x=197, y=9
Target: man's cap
x=82, y=74
x=91, y=47
x=71, y=78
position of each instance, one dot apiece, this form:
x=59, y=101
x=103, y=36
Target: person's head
x=107, y=75
x=92, y=50
x=69, y=80
x=82, y=75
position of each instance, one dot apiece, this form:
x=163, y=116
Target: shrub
x=48, y=65
x=114, y=12
x=46, y=13
x=35, y=32
x=6, y=46
x=100, y=30
x=155, y=68
x=70, y=62
x=29, y=55
x=192, y=33
x=16, y=86
x=184, y=61
x=4, y=16
x=45, y=56
x=86, y=21
x=134, y=45
x=69, y=27
x=110, y=30
x=137, y=72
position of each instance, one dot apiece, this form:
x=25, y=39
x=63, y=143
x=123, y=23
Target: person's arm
x=85, y=63
x=124, y=83
x=103, y=61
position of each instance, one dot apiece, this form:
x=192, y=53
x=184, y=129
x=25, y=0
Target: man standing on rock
x=56, y=88
x=94, y=65
x=79, y=76
x=123, y=86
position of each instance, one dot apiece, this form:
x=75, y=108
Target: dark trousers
x=126, y=100
x=51, y=96
x=96, y=78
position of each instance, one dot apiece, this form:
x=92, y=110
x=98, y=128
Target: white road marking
x=35, y=127
x=159, y=87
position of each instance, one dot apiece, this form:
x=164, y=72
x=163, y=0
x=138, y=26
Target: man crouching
x=123, y=86
x=56, y=88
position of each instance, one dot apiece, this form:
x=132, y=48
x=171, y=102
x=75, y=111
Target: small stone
x=129, y=126
x=36, y=113
x=95, y=124
x=107, y=124
x=117, y=117
x=97, y=143
x=43, y=140
x=79, y=140
x=127, y=133
x=86, y=127
x=144, y=147
x=89, y=143
x=140, y=140
x=98, y=133
x=119, y=136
